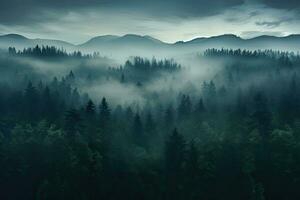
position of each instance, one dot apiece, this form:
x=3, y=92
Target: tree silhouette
x=138, y=131
x=175, y=152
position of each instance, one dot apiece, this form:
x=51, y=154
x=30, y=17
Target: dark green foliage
x=185, y=106
x=262, y=115
x=175, y=152
x=47, y=52
x=200, y=108
x=138, y=63
x=90, y=108
x=169, y=117
x=193, y=177
x=104, y=112
x=72, y=122
x=283, y=57
x=238, y=133
x=138, y=134
x=31, y=101
x=150, y=126
x=139, y=70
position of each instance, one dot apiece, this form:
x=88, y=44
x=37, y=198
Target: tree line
x=49, y=52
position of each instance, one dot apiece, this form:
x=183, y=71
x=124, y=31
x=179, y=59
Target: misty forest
x=149, y=99
x=223, y=124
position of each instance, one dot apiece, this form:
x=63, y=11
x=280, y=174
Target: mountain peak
x=14, y=36
x=228, y=36
x=132, y=38
x=135, y=36
x=225, y=37
x=104, y=38
x=134, y=41
x=293, y=36
x=139, y=37
x=132, y=35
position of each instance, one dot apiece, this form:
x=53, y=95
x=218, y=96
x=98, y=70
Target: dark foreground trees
x=230, y=139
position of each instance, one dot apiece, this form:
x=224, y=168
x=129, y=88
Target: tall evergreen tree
x=193, y=173
x=175, y=153
x=169, y=118
x=262, y=115
x=200, y=109
x=72, y=123
x=31, y=101
x=150, y=125
x=104, y=112
x=90, y=109
x=138, y=131
x=185, y=107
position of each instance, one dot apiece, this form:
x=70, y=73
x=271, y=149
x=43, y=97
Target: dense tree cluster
x=141, y=70
x=234, y=137
x=40, y=99
x=285, y=58
x=139, y=63
x=48, y=52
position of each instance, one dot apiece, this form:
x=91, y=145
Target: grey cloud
x=283, y=4
x=272, y=24
x=254, y=13
x=31, y=11
x=22, y=11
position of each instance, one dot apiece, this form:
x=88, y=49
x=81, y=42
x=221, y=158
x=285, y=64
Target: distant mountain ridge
x=20, y=42
x=136, y=44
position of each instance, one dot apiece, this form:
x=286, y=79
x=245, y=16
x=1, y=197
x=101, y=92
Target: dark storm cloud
x=180, y=8
x=283, y=4
x=274, y=24
x=269, y=24
x=22, y=11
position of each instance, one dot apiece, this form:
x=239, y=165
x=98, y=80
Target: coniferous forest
x=81, y=127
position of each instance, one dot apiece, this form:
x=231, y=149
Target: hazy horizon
x=135, y=34
x=168, y=21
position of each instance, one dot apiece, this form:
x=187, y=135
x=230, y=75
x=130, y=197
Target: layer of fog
x=163, y=88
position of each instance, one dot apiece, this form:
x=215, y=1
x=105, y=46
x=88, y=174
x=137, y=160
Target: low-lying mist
x=142, y=81
x=74, y=119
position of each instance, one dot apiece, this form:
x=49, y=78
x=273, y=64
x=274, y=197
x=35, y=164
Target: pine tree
x=192, y=173
x=185, y=107
x=72, y=122
x=262, y=115
x=200, y=109
x=47, y=106
x=75, y=98
x=150, y=124
x=169, y=118
x=104, y=112
x=138, y=131
x=105, y=127
x=31, y=101
x=70, y=79
x=175, y=152
x=12, y=51
x=90, y=108
x=122, y=78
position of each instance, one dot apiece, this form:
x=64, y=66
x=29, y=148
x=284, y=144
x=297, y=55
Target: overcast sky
x=169, y=20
